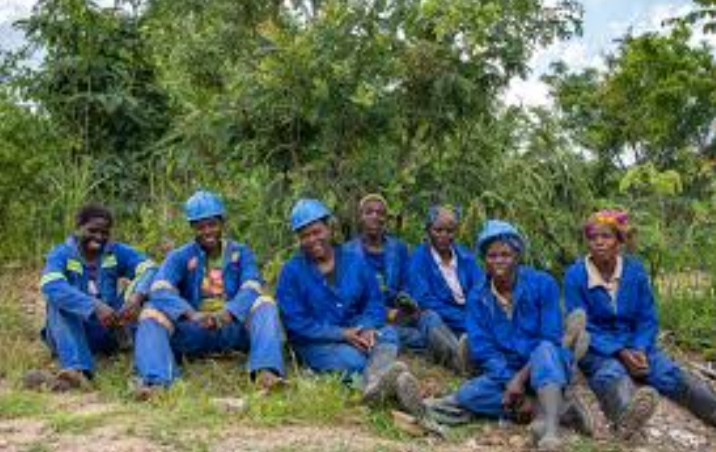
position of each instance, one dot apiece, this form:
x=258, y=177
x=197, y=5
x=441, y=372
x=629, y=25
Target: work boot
x=381, y=374
x=70, y=379
x=576, y=338
x=550, y=405
x=626, y=407
x=143, y=392
x=576, y=415
x=447, y=411
x=443, y=347
x=466, y=366
x=407, y=391
x=698, y=397
x=267, y=381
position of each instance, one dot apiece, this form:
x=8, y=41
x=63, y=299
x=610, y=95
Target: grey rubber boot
x=576, y=414
x=407, y=391
x=443, y=347
x=550, y=406
x=576, y=338
x=698, y=397
x=381, y=374
x=627, y=408
x=446, y=410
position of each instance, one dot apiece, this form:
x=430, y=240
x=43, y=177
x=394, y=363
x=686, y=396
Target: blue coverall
x=502, y=345
x=164, y=329
x=428, y=287
x=72, y=330
x=315, y=311
x=391, y=268
x=629, y=322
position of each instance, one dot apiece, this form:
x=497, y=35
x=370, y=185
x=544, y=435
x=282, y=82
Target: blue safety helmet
x=202, y=205
x=307, y=211
x=499, y=230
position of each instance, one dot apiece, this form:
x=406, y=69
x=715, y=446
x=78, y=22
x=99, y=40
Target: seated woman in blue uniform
x=441, y=272
x=418, y=330
x=514, y=326
x=86, y=312
x=614, y=290
x=207, y=297
x=333, y=311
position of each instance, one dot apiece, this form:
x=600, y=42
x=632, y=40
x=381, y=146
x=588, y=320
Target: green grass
x=691, y=321
x=22, y=404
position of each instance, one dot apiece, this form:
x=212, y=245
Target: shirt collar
x=438, y=260
x=595, y=278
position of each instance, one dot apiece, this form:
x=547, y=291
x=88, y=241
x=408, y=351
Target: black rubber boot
x=443, y=347
x=698, y=397
x=626, y=407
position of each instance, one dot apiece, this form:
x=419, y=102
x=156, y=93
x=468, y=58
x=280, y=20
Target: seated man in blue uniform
x=614, y=291
x=418, y=330
x=334, y=313
x=86, y=312
x=207, y=298
x=514, y=325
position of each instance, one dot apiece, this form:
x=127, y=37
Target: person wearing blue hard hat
x=419, y=330
x=86, y=311
x=516, y=337
x=208, y=297
x=333, y=311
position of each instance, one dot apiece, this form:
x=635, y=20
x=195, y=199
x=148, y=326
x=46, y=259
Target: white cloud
x=530, y=93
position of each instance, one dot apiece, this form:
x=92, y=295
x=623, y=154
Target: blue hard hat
x=499, y=230
x=202, y=205
x=307, y=211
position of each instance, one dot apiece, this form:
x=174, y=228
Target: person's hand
x=353, y=336
x=514, y=391
x=206, y=321
x=223, y=318
x=130, y=311
x=105, y=314
x=635, y=361
x=368, y=336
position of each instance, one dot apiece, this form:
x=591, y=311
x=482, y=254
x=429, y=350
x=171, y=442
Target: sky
x=604, y=22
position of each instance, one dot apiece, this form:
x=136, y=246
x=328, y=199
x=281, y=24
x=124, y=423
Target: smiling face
x=93, y=235
x=501, y=261
x=208, y=233
x=373, y=218
x=603, y=243
x=315, y=240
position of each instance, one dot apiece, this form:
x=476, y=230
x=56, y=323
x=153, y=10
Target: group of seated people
x=351, y=308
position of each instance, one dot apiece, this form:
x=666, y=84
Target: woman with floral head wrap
x=514, y=327
x=614, y=291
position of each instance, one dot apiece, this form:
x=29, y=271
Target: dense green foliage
x=267, y=101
